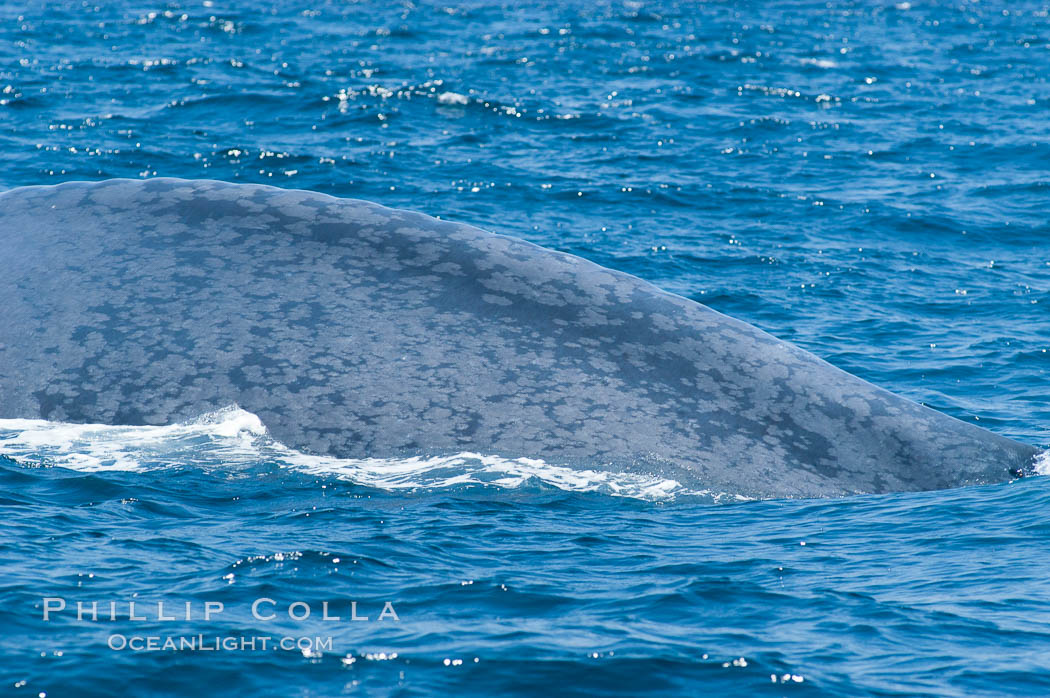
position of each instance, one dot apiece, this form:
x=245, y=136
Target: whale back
x=356, y=330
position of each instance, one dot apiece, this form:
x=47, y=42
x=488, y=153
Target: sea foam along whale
x=356, y=330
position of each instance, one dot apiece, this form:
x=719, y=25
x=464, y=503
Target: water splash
x=233, y=437
x=1041, y=465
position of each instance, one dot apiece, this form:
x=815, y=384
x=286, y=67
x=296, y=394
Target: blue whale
x=356, y=330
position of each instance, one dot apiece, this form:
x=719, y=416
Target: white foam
x=453, y=98
x=227, y=434
x=819, y=62
x=233, y=437
x=1042, y=463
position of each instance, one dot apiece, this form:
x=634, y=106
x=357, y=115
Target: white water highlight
x=232, y=437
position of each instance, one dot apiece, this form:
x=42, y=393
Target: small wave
x=453, y=98
x=233, y=437
x=819, y=62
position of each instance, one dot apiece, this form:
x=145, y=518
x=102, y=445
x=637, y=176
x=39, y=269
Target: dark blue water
x=868, y=180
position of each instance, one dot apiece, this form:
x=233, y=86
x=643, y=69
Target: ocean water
x=868, y=180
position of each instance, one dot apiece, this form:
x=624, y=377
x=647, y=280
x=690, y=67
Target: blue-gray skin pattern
x=356, y=330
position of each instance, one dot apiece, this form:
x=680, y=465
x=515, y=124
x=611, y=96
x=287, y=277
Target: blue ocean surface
x=869, y=180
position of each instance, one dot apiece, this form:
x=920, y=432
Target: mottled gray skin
x=356, y=330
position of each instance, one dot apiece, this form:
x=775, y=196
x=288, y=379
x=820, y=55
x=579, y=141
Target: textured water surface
x=867, y=180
